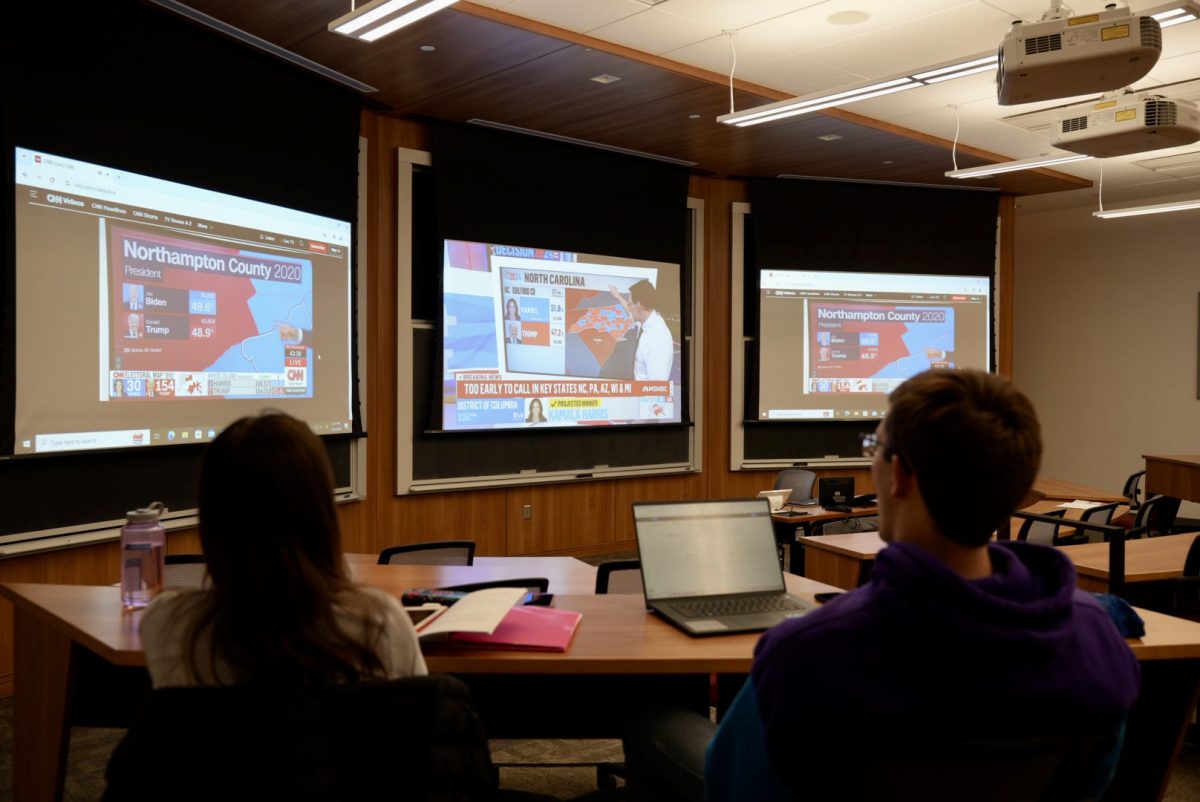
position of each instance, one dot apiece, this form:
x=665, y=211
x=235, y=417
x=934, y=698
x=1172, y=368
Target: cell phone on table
x=826, y=596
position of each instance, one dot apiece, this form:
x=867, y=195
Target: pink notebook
x=538, y=628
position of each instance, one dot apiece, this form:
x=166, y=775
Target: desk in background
x=1146, y=560
x=1058, y=490
x=1177, y=476
x=566, y=574
x=807, y=525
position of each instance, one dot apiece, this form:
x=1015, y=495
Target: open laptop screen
x=707, y=548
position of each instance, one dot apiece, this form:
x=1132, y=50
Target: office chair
x=1178, y=596
x=1101, y=514
x=437, y=552
x=619, y=576
x=184, y=571
x=799, y=481
x=305, y=744
x=1046, y=533
x=1131, y=491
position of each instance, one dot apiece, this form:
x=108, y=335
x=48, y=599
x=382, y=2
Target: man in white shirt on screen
x=655, y=348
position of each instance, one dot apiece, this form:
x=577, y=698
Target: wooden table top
x=566, y=574
x=617, y=634
x=1146, y=559
x=1060, y=490
x=1190, y=460
x=820, y=515
x=860, y=545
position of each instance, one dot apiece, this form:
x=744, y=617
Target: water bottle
x=143, y=544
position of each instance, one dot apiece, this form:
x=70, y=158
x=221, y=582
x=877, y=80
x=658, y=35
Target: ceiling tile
x=654, y=32
x=924, y=42
x=578, y=17
x=734, y=14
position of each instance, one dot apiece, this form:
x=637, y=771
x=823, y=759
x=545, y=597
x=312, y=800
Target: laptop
x=836, y=491
x=711, y=567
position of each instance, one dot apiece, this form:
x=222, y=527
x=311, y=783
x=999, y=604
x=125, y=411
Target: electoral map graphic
x=596, y=326
x=233, y=322
x=876, y=340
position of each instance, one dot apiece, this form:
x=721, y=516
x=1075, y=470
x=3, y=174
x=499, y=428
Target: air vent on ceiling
x=1075, y=124
x=1043, y=44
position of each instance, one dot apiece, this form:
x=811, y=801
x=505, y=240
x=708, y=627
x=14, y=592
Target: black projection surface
x=126, y=84
x=51, y=492
x=844, y=226
x=490, y=186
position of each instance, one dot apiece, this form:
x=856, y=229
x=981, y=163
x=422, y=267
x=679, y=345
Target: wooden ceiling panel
x=555, y=91
x=499, y=68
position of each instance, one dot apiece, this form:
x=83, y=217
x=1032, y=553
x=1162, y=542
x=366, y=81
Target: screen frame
x=680, y=418
x=753, y=412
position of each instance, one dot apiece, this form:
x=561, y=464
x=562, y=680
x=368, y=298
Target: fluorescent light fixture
x=790, y=108
x=1157, y=208
x=1176, y=16
x=970, y=67
x=378, y=18
x=980, y=62
x=1044, y=160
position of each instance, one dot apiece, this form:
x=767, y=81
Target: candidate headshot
x=535, y=412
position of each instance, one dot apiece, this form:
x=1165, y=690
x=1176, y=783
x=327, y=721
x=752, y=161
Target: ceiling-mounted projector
x=1132, y=123
x=1065, y=56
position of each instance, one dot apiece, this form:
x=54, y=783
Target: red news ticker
x=603, y=388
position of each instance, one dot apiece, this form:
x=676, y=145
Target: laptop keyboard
x=716, y=608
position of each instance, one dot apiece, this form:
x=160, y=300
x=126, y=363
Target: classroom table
x=1177, y=476
x=1046, y=489
x=1146, y=560
x=806, y=522
x=55, y=625
x=566, y=574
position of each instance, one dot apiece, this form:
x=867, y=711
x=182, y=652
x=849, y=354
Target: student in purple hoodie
x=955, y=635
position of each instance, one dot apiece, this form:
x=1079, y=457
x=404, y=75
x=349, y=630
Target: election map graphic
x=190, y=318
x=595, y=325
x=852, y=340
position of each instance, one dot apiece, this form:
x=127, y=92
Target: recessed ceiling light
x=427, y=48
x=830, y=137
x=848, y=18
x=693, y=116
x=604, y=78
x=889, y=161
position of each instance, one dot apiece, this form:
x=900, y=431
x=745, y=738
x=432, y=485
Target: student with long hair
x=281, y=607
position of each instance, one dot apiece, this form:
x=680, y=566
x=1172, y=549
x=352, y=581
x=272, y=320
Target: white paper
x=481, y=611
x=1077, y=504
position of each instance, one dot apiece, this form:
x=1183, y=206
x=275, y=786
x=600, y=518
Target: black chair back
x=437, y=552
x=1042, y=532
x=619, y=576
x=413, y=738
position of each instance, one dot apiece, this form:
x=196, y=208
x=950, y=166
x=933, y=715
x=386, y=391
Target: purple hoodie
x=1019, y=652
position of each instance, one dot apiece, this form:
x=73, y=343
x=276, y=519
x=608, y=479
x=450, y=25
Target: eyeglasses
x=871, y=445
